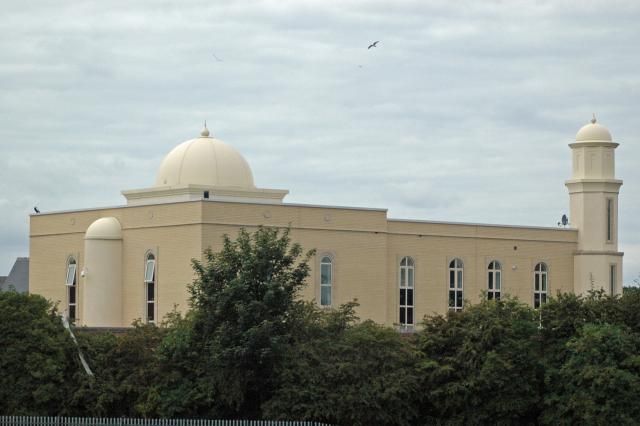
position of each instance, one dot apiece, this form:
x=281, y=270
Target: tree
x=600, y=379
x=38, y=360
x=123, y=365
x=481, y=365
x=226, y=350
x=347, y=373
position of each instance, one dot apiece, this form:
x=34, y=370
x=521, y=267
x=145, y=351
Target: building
x=110, y=266
x=18, y=278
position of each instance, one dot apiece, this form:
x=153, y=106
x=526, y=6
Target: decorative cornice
x=597, y=253
x=594, y=143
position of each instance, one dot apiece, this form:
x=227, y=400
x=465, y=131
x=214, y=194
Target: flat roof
x=493, y=225
x=318, y=206
x=315, y=206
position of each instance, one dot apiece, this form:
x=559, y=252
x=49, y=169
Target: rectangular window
x=325, y=274
x=612, y=279
x=71, y=294
x=151, y=292
x=326, y=281
x=151, y=312
x=149, y=271
x=151, y=302
x=325, y=295
x=71, y=274
x=609, y=219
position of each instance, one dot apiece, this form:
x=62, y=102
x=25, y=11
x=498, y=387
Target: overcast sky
x=463, y=111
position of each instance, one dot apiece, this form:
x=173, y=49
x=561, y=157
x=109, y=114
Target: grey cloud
x=462, y=113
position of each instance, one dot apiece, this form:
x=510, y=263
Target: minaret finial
x=205, y=132
x=593, y=120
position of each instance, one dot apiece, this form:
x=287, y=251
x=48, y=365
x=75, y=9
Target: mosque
x=109, y=266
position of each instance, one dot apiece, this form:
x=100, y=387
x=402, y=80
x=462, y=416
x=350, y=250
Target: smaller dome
x=105, y=228
x=593, y=132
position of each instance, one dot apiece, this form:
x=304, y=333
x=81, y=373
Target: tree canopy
x=249, y=347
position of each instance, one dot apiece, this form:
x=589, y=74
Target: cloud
x=463, y=112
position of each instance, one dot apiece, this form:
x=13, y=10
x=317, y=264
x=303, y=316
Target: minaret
x=593, y=192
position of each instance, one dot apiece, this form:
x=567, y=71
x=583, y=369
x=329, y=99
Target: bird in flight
x=35, y=209
x=374, y=44
x=217, y=59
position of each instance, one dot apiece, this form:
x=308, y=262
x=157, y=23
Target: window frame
x=494, y=280
x=609, y=219
x=406, y=284
x=613, y=278
x=72, y=289
x=150, y=303
x=540, y=284
x=455, y=287
x=328, y=286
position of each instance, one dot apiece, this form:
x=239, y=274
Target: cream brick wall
x=365, y=245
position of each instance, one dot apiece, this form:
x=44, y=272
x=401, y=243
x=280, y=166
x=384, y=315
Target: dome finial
x=205, y=132
x=593, y=120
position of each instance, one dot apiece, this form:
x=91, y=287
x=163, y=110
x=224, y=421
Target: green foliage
x=481, y=365
x=250, y=348
x=124, y=365
x=243, y=303
x=569, y=322
x=37, y=357
x=600, y=379
x=347, y=373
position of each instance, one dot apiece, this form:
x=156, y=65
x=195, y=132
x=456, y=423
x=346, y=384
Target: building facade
x=110, y=266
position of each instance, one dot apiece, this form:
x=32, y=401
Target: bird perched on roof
x=35, y=209
x=374, y=44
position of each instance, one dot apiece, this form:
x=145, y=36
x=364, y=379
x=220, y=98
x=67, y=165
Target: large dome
x=593, y=132
x=205, y=161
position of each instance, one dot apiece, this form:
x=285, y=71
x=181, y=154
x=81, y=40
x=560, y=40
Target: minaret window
x=456, y=285
x=72, y=289
x=609, y=219
x=326, y=280
x=494, y=280
x=407, y=278
x=540, y=285
x=612, y=279
x=150, y=288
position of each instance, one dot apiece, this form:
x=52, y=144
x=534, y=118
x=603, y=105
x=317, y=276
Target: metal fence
x=97, y=421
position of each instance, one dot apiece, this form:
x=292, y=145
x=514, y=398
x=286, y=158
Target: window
x=150, y=288
x=326, y=280
x=609, y=219
x=494, y=280
x=612, y=279
x=72, y=289
x=456, y=281
x=540, y=285
x=407, y=277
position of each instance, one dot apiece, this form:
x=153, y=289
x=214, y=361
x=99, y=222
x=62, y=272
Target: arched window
x=456, y=284
x=150, y=287
x=494, y=280
x=72, y=289
x=540, y=285
x=326, y=280
x=407, y=277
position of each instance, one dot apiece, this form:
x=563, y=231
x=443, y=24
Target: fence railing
x=98, y=421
